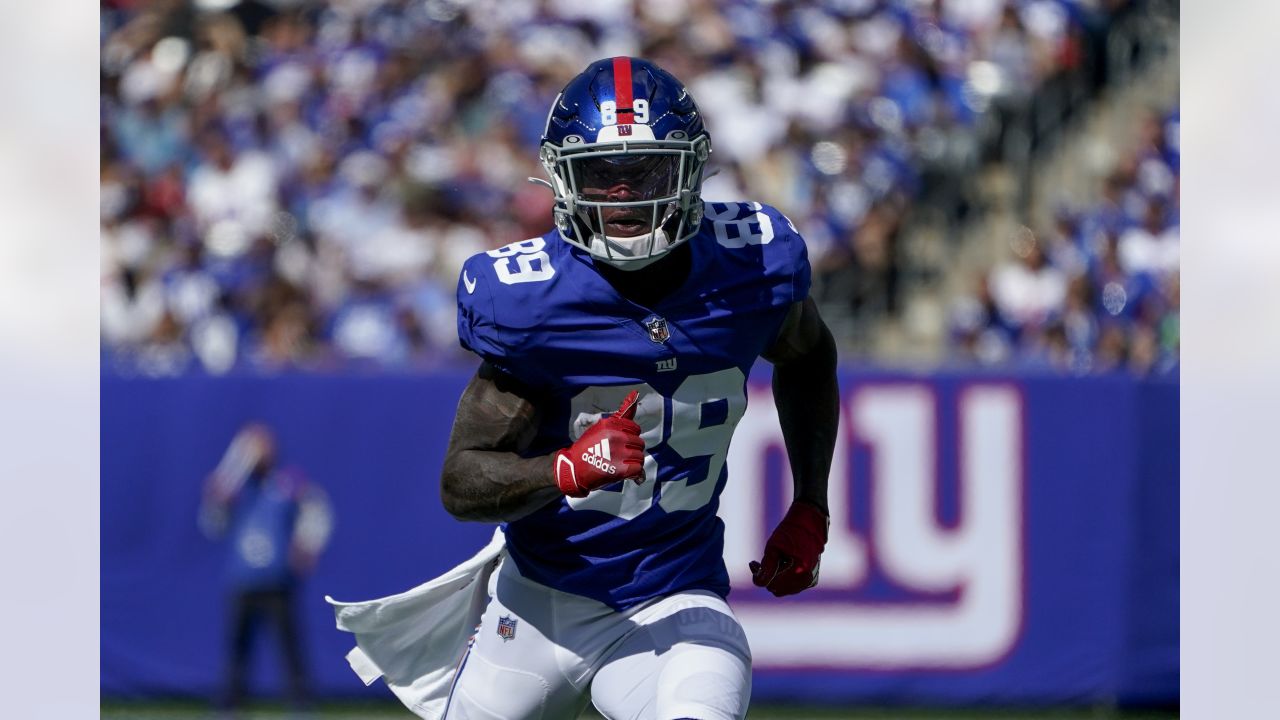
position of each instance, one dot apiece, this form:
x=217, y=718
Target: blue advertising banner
x=995, y=539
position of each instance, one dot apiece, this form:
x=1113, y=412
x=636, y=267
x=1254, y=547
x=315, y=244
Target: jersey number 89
x=704, y=410
x=532, y=264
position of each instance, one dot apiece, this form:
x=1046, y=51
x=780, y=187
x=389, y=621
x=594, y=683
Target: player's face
x=627, y=178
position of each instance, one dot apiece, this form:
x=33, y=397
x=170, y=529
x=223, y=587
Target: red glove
x=793, y=552
x=609, y=451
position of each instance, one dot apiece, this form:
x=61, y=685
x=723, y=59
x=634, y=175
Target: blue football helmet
x=625, y=150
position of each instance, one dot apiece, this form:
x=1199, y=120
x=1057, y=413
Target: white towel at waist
x=416, y=639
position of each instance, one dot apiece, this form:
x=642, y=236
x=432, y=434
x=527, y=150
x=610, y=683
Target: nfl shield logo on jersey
x=507, y=627
x=657, y=327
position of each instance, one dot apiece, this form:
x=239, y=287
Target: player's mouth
x=626, y=224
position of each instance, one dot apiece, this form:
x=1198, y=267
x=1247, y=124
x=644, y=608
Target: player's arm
x=808, y=398
x=486, y=476
x=807, y=395
x=246, y=452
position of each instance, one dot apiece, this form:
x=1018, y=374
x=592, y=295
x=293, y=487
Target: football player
x=615, y=356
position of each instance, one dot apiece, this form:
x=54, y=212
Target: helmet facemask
x=627, y=202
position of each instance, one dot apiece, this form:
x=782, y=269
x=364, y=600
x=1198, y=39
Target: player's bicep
x=495, y=412
x=802, y=332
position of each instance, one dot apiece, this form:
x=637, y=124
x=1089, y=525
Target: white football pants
x=541, y=653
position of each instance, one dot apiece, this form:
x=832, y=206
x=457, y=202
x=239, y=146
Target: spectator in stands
x=275, y=525
x=1113, y=347
x=132, y=307
x=1028, y=290
x=978, y=331
x=1080, y=323
x=232, y=195
x=1152, y=246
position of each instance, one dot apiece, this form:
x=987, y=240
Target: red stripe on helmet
x=622, y=88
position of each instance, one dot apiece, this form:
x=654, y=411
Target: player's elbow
x=457, y=502
x=824, y=350
x=459, y=508
x=817, y=360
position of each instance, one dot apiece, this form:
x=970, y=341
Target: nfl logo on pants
x=507, y=627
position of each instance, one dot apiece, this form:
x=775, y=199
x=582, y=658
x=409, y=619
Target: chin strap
x=656, y=239
x=630, y=265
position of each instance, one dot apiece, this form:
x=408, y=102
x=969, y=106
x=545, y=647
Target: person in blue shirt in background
x=276, y=525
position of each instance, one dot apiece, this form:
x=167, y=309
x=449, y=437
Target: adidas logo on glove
x=598, y=456
x=590, y=463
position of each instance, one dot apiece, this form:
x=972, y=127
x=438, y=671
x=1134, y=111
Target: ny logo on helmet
x=657, y=328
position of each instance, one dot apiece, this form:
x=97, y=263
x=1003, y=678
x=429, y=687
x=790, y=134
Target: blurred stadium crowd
x=294, y=184
x=1099, y=290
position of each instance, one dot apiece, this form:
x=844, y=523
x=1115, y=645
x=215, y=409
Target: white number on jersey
x=731, y=232
x=688, y=437
x=532, y=264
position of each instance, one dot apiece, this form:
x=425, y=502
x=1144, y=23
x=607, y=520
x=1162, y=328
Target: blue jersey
x=539, y=311
x=261, y=534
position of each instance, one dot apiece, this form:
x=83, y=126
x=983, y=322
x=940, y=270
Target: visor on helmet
x=621, y=178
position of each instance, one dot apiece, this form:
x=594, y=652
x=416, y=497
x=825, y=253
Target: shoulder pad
x=504, y=290
x=763, y=235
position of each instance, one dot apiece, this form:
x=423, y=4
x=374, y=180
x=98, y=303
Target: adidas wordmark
x=598, y=456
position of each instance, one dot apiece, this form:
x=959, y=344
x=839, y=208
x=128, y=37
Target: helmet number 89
x=609, y=111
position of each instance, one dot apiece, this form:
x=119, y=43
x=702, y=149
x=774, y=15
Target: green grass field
x=380, y=711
